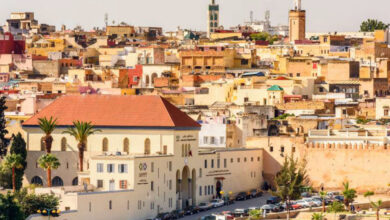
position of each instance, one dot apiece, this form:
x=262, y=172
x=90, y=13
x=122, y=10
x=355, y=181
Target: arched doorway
x=185, y=187
x=57, y=181
x=218, y=188
x=75, y=181
x=36, y=180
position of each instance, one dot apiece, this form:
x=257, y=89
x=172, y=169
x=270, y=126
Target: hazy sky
x=322, y=15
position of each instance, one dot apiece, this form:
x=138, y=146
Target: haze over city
x=332, y=15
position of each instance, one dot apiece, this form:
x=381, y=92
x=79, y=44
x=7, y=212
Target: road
x=255, y=202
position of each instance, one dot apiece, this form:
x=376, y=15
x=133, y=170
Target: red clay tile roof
x=115, y=111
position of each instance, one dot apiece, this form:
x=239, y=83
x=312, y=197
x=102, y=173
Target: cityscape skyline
x=196, y=17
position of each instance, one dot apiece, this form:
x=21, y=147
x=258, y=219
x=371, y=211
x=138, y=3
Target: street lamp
x=49, y=212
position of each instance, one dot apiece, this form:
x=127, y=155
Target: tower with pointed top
x=213, y=18
x=297, y=22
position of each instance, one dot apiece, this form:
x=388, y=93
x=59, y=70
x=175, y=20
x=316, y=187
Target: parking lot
x=255, y=202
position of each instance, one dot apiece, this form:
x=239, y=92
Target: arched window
x=43, y=144
x=57, y=181
x=75, y=181
x=165, y=149
x=147, y=81
x=63, y=144
x=105, y=145
x=37, y=181
x=154, y=75
x=147, y=146
x=126, y=145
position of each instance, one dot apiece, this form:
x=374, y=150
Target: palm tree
x=13, y=161
x=368, y=195
x=317, y=216
x=81, y=131
x=349, y=194
x=47, y=126
x=377, y=206
x=323, y=195
x=48, y=162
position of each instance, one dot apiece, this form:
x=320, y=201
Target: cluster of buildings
x=183, y=112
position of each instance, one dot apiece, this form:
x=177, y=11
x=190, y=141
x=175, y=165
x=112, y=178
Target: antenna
x=106, y=19
x=251, y=16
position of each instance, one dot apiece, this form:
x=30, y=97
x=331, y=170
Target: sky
x=321, y=15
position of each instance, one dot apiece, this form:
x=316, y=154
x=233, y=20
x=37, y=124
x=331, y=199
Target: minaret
x=213, y=18
x=297, y=22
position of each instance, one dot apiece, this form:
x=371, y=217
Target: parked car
x=339, y=198
x=241, y=196
x=191, y=210
x=304, y=203
x=176, y=214
x=313, y=202
x=270, y=208
x=203, y=206
x=273, y=200
x=164, y=216
x=255, y=193
x=217, y=203
x=208, y=217
x=240, y=213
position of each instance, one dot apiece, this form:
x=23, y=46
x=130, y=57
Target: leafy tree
x=349, y=194
x=289, y=181
x=323, y=196
x=372, y=24
x=13, y=162
x=336, y=207
x=5, y=178
x=81, y=131
x=48, y=162
x=256, y=214
x=47, y=126
x=3, y=141
x=264, y=36
x=18, y=146
x=317, y=216
x=30, y=203
x=9, y=208
x=377, y=206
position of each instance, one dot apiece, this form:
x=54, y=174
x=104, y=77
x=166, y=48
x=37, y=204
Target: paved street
x=256, y=202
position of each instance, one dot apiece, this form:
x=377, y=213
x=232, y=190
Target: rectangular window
x=205, y=164
x=123, y=184
x=170, y=185
x=271, y=149
x=200, y=190
x=221, y=140
x=99, y=167
x=212, y=163
x=212, y=140
x=212, y=189
x=110, y=168
x=224, y=163
x=238, y=160
x=205, y=140
x=170, y=165
x=152, y=167
x=218, y=163
x=205, y=190
x=99, y=183
x=122, y=168
x=200, y=172
x=282, y=149
x=151, y=186
x=208, y=190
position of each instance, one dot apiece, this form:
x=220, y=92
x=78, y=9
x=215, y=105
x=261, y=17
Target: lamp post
x=48, y=212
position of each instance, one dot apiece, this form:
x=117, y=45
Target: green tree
x=47, y=126
x=255, y=214
x=30, y=203
x=368, y=195
x=5, y=177
x=317, y=216
x=10, y=208
x=18, y=146
x=3, y=141
x=323, y=195
x=81, y=131
x=349, y=194
x=377, y=206
x=371, y=25
x=335, y=208
x=289, y=181
x=13, y=162
x=264, y=36
x=48, y=162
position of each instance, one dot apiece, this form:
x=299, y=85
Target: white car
x=314, y=202
x=203, y=206
x=217, y=203
x=304, y=203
